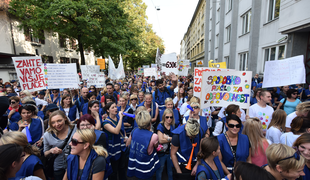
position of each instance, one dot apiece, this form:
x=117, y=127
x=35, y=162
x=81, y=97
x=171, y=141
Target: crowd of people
x=142, y=128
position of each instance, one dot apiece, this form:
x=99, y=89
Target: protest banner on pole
x=101, y=63
x=169, y=63
x=140, y=71
x=150, y=72
x=30, y=72
x=158, y=60
x=120, y=69
x=284, y=72
x=60, y=76
x=97, y=80
x=198, y=75
x=183, y=67
x=89, y=69
x=112, y=69
x=221, y=88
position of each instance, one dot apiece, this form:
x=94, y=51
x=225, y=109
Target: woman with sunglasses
x=284, y=162
x=290, y=102
x=164, y=132
x=86, y=161
x=32, y=165
x=234, y=146
x=151, y=106
x=59, y=132
x=143, y=160
x=14, y=115
x=55, y=97
x=124, y=107
x=92, y=88
x=12, y=157
x=303, y=146
x=95, y=111
x=220, y=126
x=201, y=119
x=253, y=129
x=113, y=126
x=299, y=126
x=210, y=166
x=133, y=102
x=276, y=126
x=68, y=108
x=176, y=113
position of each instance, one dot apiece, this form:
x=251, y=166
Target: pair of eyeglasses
x=75, y=142
x=234, y=125
x=296, y=155
x=85, y=125
x=13, y=102
x=196, y=107
x=135, y=99
x=167, y=117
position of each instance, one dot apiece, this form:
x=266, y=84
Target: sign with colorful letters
x=221, y=88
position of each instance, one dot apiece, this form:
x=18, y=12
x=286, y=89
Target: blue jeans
x=162, y=160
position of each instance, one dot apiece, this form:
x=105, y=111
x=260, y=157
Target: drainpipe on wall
x=12, y=36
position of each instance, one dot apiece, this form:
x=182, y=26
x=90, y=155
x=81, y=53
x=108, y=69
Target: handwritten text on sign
x=222, y=88
x=98, y=80
x=89, y=69
x=284, y=72
x=150, y=72
x=198, y=76
x=29, y=72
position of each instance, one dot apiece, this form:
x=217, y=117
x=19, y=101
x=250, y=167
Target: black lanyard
x=232, y=150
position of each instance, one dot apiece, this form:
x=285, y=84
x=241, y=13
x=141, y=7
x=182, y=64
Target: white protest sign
x=60, y=76
x=169, y=63
x=120, y=70
x=183, y=67
x=284, y=72
x=146, y=66
x=221, y=88
x=150, y=72
x=140, y=71
x=112, y=69
x=154, y=66
x=97, y=80
x=89, y=69
x=29, y=72
x=198, y=76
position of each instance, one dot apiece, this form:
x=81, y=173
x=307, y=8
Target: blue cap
x=8, y=86
x=51, y=106
x=41, y=93
x=13, y=81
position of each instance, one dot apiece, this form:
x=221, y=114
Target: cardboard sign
x=101, y=63
x=98, y=80
x=198, y=75
x=140, y=71
x=169, y=63
x=183, y=67
x=284, y=72
x=89, y=69
x=221, y=88
x=30, y=72
x=221, y=65
x=60, y=76
x=150, y=72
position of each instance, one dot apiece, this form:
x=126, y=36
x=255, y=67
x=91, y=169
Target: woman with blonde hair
x=86, y=160
x=253, y=129
x=143, y=163
x=124, y=107
x=284, y=162
x=56, y=141
x=133, y=102
x=303, y=145
x=26, y=93
x=201, y=119
x=176, y=113
x=164, y=132
x=32, y=165
x=276, y=126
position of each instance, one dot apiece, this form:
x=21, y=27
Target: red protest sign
x=30, y=72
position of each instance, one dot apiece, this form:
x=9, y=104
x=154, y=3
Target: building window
x=246, y=22
x=228, y=5
x=217, y=41
x=62, y=41
x=64, y=60
x=202, y=46
x=274, y=53
x=202, y=29
x=47, y=59
x=13, y=76
x=76, y=61
x=243, y=63
x=29, y=36
x=227, y=61
x=228, y=32
x=273, y=9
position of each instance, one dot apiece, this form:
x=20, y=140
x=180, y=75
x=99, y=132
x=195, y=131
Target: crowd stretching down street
x=142, y=128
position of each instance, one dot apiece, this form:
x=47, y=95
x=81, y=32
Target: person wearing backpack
x=162, y=92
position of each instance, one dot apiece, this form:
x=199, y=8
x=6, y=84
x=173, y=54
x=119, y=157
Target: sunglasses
x=134, y=99
x=167, y=117
x=91, y=88
x=75, y=142
x=55, y=92
x=195, y=107
x=296, y=155
x=13, y=102
x=234, y=125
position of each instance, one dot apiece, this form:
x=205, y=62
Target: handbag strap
x=115, y=126
x=207, y=169
x=91, y=169
x=232, y=150
x=66, y=140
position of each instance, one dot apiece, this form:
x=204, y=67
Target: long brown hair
x=253, y=129
x=51, y=129
x=63, y=98
x=278, y=119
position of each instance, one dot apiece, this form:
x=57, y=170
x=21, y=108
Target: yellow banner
x=221, y=65
x=101, y=63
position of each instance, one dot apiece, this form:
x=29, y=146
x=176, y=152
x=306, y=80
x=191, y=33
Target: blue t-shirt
x=290, y=107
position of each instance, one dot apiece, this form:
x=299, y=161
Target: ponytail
x=101, y=151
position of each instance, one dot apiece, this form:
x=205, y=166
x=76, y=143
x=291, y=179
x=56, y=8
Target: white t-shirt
x=40, y=102
x=289, y=119
x=273, y=134
x=180, y=103
x=183, y=108
x=67, y=113
x=288, y=138
x=263, y=114
x=221, y=114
